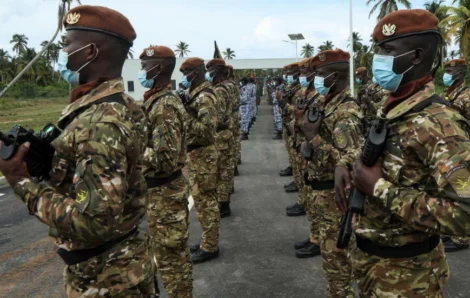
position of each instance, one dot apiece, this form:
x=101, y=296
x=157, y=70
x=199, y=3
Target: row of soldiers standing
x=250, y=96
x=417, y=191
x=116, y=161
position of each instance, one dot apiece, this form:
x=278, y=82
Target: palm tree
x=459, y=25
x=182, y=49
x=387, y=6
x=307, y=50
x=20, y=42
x=4, y=55
x=229, y=54
x=327, y=45
x=364, y=56
x=453, y=54
x=437, y=8
x=357, y=45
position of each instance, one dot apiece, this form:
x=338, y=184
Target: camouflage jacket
x=302, y=100
x=244, y=95
x=166, y=147
x=96, y=191
x=202, y=116
x=371, y=98
x=425, y=187
x=224, y=103
x=339, y=139
x=288, y=102
x=234, y=93
x=460, y=99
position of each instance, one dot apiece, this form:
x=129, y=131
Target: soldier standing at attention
x=165, y=156
x=418, y=189
x=223, y=138
x=244, y=108
x=94, y=201
x=458, y=94
x=202, y=156
x=235, y=93
x=278, y=86
x=332, y=129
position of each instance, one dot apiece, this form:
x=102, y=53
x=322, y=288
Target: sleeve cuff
x=26, y=190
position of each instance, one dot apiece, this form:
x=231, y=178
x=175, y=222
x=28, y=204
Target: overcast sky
x=252, y=28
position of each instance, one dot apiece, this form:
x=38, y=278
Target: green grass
x=30, y=113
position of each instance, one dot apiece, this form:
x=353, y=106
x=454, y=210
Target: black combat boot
x=292, y=188
x=289, y=184
x=295, y=210
x=278, y=135
x=194, y=247
x=286, y=172
x=224, y=209
x=236, y=173
x=308, y=251
x=244, y=136
x=200, y=256
x=300, y=244
x=239, y=161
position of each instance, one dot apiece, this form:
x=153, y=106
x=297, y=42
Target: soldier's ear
x=418, y=56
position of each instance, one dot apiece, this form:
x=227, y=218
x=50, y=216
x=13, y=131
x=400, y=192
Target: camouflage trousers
x=422, y=276
x=460, y=240
x=245, y=118
x=167, y=216
x=298, y=169
x=288, y=142
x=225, y=169
x=202, y=172
x=336, y=263
x=277, y=117
x=237, y=147
x=312, y=219
x=126, y=270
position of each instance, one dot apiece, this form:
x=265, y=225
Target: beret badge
x=452, y=63
x=322, y=57
x=149, y=52
x=388, y=29
x=72, y=18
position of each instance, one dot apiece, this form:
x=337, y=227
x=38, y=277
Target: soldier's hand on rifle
x=365, y=178
x=310, y=130
x=15, y=168
x=342, y=184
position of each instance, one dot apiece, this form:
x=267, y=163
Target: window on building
x=130, y=86
x=173, y=85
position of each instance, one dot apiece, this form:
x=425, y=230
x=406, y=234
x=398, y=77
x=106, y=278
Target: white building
x=132, y=67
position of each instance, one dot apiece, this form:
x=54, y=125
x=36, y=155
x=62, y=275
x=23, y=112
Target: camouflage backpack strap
x=425, y=103
x=349, y=99
x=208, y=90
x=458, y=94
x=116, y=98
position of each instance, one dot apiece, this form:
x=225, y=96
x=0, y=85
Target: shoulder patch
x=459, y=179
x=82, y=199
x=340, y=139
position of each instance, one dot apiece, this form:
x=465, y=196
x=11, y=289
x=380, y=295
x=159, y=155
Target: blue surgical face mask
x=319, y=83
x=382, y=69
x=290, y=80
x=208, y=77
x=448, y=79
x=303, y=81
x=142, y=75
x=284, y=77
x=359, y=80
x=185, y=82
x=71, y=76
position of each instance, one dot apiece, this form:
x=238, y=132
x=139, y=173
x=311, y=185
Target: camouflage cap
x=100, y=19
x=402, y=23
x=329, y=57
x=157, y=52
x=455, y=62
x=191, y=63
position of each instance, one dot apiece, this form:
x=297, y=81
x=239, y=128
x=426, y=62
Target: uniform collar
x=203, y=85
x=402, y=108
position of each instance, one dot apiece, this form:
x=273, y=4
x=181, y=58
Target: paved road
x=257, y=256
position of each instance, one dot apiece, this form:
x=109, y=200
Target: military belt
x=155, y=182
x=194, y=147
x=401, y=252
x=321, y=185
x=78, y=256
x=222, y=127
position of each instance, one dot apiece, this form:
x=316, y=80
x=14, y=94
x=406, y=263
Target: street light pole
x=351, y=50
x=296, y=52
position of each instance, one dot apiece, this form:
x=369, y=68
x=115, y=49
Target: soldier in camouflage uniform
x=287, y=104
x=202, y=156
x=458, y=94
x=164, y=157
x=332, y=129
x=280, y=92
x=224, y=136
x=94, y=201
x=236, y=118
x=310, y=246
x=370, y=96
x=419, y=188
x=278, y=86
